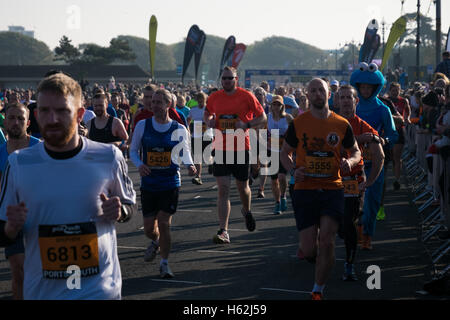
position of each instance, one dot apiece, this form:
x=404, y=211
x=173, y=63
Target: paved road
x=261, y=264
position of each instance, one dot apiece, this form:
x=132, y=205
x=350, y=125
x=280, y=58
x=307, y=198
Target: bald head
x=318, y=93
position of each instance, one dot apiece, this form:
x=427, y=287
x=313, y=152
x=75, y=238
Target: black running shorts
x=310, y=205
x=154, y=202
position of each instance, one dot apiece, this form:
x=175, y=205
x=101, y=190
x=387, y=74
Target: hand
x=299, y=174
x=144, y=170
x=241, y=125
x=365, y=138
x=192, y=170
x=211, y=123
x=111, y=207
x=16, y=219
x=345, y=166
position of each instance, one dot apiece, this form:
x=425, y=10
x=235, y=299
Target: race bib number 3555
x=68, y=244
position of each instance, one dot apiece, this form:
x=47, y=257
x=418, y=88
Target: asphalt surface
x=262, y=265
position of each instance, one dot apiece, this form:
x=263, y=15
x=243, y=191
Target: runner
x=402, y=106
x=369, y=81
x=87, y=189
x=279, y=120
x=318, y=137
x=198, y=129
x=111, y=129
x=255, y=169
x=355, y=182
x=16, y=123
x=160, y=175
x=232, y=108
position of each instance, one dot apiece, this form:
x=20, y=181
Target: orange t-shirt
x=318, y=144
x=242, y=105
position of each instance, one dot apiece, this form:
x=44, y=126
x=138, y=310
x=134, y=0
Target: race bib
x=68, y=244
x=319, y=164
x=159, y=159
x=350, y=187
x=227, y=122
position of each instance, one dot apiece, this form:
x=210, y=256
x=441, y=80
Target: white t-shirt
x=88, y=115
x=64, y=224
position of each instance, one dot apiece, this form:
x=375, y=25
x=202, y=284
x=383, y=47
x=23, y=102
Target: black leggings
x=347, y=228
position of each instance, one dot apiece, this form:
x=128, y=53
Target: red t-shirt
x=145, y=114
x=242, y=105
x=359, y=127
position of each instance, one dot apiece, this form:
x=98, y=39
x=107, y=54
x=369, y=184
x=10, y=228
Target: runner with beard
x=71, y=220
x=319, y=137
x=105, y=128
x=16, y=124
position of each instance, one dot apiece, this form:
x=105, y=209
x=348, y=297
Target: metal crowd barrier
x=426, y=189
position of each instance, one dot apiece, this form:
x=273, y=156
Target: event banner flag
x=370, y=42
x=397, y=29
x=189, y=49
x=198, y=49
x=238, y=54
x=152, y=43
x=447, y=47
x=227, y=53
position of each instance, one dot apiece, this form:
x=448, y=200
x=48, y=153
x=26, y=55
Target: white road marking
x=123, y=247
x=218, y=251
x=196, y=210
x=176, y=281
x=285, y=290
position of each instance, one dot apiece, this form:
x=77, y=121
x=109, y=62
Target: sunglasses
x=276, y=103
x=228, y=78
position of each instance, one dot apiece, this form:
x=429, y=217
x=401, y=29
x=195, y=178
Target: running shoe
x=222, y=237
x=381, y=215
x=277, y=209
x=396, y=185
x=250, y=222
x=165, y=272
x=260, y=194
x=197, y=181
x=283, y=204
x=151, y=252
x=349, y=272
x=316, y=296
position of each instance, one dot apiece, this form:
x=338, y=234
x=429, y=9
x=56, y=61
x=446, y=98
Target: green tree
x=18, y=49
x=66, y=51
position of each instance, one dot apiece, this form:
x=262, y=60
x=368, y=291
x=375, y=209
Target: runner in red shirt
x=228, y=110
x=355, y=182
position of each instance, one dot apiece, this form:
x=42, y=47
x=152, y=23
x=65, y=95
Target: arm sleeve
x=136, y=144
x=183, y=149
x=291, y=136
x=349, y=138
x=121, y=184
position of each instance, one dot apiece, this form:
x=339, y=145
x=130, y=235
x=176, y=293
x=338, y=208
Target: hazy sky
x=322, y=23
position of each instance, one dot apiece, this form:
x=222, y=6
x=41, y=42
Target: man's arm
x=377, y=153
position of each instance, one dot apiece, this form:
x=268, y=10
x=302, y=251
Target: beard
x=58, y=135
x=16, y=133
x=318, y=104
x=99, y=113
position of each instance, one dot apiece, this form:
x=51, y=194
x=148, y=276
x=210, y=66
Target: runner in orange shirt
x=319, y=137
x=229, y=110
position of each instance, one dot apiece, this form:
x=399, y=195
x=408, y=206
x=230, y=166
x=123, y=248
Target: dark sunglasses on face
x=227, y=78
x=276, y=103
